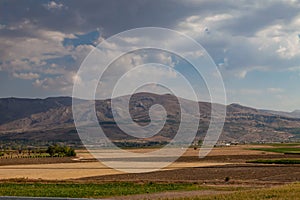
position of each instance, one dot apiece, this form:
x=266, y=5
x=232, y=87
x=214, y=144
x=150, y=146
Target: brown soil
x=242, y=173
x=47, y=160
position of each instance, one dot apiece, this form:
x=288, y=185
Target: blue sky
x=255, y=44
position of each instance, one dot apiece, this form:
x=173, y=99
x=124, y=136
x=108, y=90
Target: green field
x=275, y=161
x=78, y=190
x=86, y=190
x=281, y=149
x=284, y=144
x=287, y=192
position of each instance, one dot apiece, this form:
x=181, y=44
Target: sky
x=254, y=44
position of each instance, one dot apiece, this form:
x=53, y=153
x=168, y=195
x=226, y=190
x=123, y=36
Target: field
x=98, y=190
x=291, y=191
x=226, y=173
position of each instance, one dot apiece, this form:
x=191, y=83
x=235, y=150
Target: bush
x=227, y=178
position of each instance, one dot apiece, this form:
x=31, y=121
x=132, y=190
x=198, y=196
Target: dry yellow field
x=58, y=171
x=64, y=171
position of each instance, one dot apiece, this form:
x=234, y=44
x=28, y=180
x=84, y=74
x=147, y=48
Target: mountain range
x=51, y=119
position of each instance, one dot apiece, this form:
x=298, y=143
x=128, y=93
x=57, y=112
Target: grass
x=80, y=190
x=284, y=144
x=93, y=190
x=290, y=150
x=276, y=161
x=291, y=191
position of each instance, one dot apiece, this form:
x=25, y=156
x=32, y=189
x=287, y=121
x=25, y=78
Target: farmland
x=226, y=171
x=99, y=190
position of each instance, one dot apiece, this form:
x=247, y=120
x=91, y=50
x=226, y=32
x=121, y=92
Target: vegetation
x=25, y=144
x=93, y=190
x=291, y=191
x=289, y=150
x=132, y=144
x=285, y=144
x=76, y=190
x=277, y=161
x=32, y=152
x=58, y=150
x=227, y=178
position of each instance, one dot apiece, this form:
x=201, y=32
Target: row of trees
x=58, y=150
x=52, y=150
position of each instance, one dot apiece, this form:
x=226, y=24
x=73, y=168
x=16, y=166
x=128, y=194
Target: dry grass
x=58, y=171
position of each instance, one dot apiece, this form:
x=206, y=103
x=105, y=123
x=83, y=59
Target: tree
x=60, y=150
x=51, y=150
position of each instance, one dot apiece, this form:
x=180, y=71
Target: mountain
x=17, y=108
x=51, y=119
x=294, y=114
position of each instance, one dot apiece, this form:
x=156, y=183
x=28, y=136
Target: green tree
x=60, y=150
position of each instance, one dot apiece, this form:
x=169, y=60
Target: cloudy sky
x=255, y=44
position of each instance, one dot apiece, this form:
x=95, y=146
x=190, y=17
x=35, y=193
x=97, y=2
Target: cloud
x=52, y=5
x=26, y=76
x=249, y=37
x=42, y=53
x=63, y=82
x=90, y=38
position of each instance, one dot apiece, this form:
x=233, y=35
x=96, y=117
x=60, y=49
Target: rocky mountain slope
x=293, y=114
x=52, y=119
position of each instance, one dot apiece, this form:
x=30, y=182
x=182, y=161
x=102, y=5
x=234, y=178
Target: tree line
x=58, y=150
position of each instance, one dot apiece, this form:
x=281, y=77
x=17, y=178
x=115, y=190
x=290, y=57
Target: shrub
x=227, y=178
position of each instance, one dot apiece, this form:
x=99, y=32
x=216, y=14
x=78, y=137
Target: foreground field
x=288, y=192
x=150, y=190
x=224, y=174
x=86, y=166
x=100, y=190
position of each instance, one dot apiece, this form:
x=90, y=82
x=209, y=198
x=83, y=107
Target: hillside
x=17, y=108
x=51, y=119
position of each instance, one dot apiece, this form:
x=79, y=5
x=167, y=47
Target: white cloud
x=199, y=25
x=271, y=46
x=26, y=76
x=34, y=56
x=62, y=83
x=52, y=5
